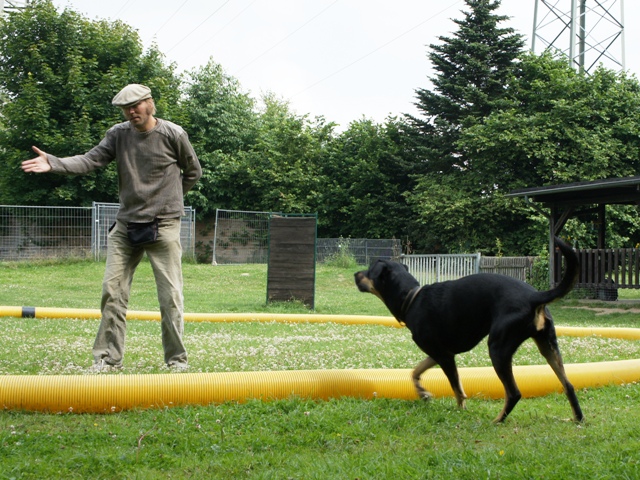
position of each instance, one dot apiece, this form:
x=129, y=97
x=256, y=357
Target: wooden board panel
x=292, y=248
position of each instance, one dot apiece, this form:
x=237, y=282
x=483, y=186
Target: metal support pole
x=572, y=33
x=534, y=33
x=582, y=33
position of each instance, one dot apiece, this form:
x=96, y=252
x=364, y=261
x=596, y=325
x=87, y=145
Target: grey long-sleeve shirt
x=155, y=168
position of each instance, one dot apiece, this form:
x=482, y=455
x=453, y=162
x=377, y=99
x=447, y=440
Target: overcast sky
x=341, y=59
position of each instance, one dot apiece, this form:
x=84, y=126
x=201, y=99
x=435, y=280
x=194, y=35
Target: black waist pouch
x=142, y=233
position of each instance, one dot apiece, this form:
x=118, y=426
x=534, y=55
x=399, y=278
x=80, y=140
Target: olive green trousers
x=165, y=256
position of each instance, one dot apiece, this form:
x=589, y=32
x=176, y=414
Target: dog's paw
x=425, y=396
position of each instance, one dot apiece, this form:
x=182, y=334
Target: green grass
x=208, y=289
x=296, y=438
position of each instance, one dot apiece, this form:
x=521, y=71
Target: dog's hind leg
x=422, y=367
x=548, y=345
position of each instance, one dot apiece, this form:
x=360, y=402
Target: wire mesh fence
x=243, y=237
x=28, y=232
x=240, y=237
x=33, y=232
x=44, y=232
x=364, y=250
x=104, y=214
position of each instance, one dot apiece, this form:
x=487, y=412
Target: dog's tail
x=570, y=274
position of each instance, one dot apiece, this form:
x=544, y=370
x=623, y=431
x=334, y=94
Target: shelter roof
x=624, y=190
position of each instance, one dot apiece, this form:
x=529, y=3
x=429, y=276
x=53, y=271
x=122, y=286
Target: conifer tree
x=454, y=201
x=473, y=68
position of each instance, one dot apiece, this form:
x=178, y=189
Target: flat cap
x=131, y=94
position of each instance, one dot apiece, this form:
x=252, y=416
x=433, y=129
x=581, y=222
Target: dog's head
x=383, y=277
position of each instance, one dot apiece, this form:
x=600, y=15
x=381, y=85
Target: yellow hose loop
x=113, y=393
x=44, y=312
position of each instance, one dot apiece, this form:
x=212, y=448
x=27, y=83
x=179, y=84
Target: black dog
x=452, y=317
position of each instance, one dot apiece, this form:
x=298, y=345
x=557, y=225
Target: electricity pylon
x=9, y=5
x=588, y=32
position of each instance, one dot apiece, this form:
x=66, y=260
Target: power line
x=219, y=31
x=286, y=37
x=123, y=7
x=201, y=23
x=376, y=49
x=170, y=17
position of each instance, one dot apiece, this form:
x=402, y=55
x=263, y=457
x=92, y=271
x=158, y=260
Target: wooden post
x=602, y=226
x=552, y=246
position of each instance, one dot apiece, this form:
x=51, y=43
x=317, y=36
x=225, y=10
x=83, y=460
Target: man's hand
x=40, y=164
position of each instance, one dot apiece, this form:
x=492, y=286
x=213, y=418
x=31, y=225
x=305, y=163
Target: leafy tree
x=562, y=127
x=59, y=72
x=282, y=167
x=450, y=219
x=500, y=119
x=223, y=126
x=278, y=170
x=365, y=174
x=221, y=116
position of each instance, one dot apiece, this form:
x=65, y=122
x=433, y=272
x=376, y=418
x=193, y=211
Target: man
x=156, y=167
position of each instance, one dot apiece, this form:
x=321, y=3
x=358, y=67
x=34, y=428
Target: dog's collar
x=408, y=300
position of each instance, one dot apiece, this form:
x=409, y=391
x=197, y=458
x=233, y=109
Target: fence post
x=94, y=231
x=215, y=232
x=366, y=252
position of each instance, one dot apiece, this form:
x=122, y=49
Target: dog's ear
x=379, y=269
x=378, y=264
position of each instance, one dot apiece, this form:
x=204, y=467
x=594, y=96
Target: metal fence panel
x=364, y=250
x=241, y=237
x=428, y=269
x=104, y=215
x=44, y=232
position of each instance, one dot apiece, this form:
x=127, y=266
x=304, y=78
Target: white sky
x=341, y=59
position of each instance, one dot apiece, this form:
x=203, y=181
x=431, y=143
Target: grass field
x=297, y=438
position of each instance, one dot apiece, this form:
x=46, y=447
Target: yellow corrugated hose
x=112, y=393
